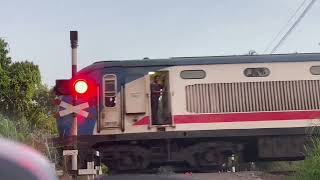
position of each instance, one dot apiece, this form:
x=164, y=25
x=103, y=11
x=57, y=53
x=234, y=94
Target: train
x=196, y=111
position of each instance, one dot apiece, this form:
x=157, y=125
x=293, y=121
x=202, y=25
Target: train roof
x=204, y=60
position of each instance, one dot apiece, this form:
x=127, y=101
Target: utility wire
x=285, y=26
x=293, y=26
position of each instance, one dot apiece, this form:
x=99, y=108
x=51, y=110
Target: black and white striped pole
x=74, y=128
x=74, y=45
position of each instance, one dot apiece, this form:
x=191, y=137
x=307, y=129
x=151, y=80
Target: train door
x=111, y=112
x=160, y=98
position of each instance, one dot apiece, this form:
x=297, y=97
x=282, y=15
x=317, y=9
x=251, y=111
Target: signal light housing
x=80, y=86
x=62, y=87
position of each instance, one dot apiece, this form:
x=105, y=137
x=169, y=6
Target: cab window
x=110, y=90
x=193, y=74
x=257, y=72
x=315, y=70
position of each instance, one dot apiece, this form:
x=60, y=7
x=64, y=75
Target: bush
x=8, y=128
x=104, y=168
x=21, y=131
x=309, y=169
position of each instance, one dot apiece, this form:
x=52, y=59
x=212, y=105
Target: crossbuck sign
x=78, y=109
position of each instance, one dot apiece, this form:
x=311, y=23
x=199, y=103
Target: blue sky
x=38, y=30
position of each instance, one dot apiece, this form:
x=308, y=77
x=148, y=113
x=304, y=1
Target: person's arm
x=156, y=92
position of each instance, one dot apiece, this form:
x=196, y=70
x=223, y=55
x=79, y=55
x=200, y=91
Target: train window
x=257, y=72
x=110, y=90
x=315, y=70
x=192, y=74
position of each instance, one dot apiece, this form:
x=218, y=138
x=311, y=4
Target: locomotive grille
x=253, y=96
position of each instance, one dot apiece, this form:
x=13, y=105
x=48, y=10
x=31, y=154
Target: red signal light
x=80, y=86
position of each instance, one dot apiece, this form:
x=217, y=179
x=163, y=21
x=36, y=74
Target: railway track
x=245, y=175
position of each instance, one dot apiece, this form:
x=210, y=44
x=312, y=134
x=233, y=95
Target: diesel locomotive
x=192, y=110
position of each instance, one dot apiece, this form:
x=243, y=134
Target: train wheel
x=207, y=156
x=126, y=158
x=132, y=161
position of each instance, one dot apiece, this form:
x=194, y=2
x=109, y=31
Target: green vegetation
x=309, y=169
x=26, y=105
x=104, y=168
x=8, y=128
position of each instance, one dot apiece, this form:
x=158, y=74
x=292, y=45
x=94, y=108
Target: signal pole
x=74, y=45
x=74, y=128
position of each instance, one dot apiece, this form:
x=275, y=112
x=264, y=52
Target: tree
x=17, y=84
x=5, y=62
x=41, y=114
x=24, y=79
x=23, y=99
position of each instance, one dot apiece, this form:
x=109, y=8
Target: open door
x=160, y=98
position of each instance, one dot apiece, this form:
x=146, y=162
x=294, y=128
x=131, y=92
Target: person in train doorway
x=156, y=92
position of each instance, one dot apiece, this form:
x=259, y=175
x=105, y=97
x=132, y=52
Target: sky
x=38, y=30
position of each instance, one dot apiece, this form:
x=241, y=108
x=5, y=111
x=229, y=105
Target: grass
x=309, y=169
x=8, y=129
x=21, y=132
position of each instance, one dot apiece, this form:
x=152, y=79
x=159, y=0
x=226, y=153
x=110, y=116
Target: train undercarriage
x=193, y=153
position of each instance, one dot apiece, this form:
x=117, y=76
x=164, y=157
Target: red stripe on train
x=239, y=117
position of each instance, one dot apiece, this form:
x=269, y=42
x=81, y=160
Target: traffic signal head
x=81, y=87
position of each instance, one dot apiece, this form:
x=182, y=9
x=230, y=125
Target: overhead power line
x=293, y=26
x=285, y=26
